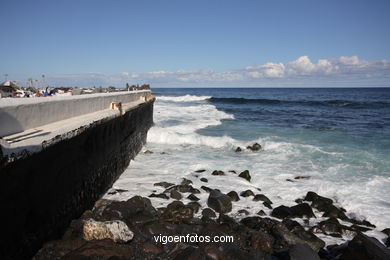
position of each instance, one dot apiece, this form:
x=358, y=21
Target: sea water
x=338, y=138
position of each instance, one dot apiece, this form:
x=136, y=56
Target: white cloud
x=334, y=69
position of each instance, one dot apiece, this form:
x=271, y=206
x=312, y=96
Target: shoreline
x=284, y=232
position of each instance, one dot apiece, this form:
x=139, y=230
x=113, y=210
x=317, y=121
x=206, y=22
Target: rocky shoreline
x=125, y=229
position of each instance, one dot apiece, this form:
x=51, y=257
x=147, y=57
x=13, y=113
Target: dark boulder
x=363, y=247
x=204, y=180
x=192, y=197
x=233, y=195
x=247, y=193
x=161, y=196
x=176, y=195
x=261, y=240
x=261, y=213
x=303, y=210
x=302, y=252
x=220, y=202
x=183, y=188
x=186, y=181
x=218, y=173
x=194, y=205
x=262, y=197
x=238, y=149
x=205, y=188
x=177, y=211
x=245, y=174
x=254, y=147
x=208, y=213
x=266, y=204
x=282, y=212
x=164, y=184
x=199, y=171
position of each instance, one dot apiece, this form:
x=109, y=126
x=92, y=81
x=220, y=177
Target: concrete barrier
x=19, y=114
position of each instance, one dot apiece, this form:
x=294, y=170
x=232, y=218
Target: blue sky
x=197, y=43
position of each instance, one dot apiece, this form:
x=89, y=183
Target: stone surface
x=115, y=230
x=233, y=195
x=245, y=174
x=220, y=202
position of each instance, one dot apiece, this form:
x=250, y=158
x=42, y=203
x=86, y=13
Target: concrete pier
x=52, y=172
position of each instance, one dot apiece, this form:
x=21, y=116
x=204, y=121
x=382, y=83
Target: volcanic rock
x=220, y=202
x=245, y=174
x=233, y=195
x=115, y=230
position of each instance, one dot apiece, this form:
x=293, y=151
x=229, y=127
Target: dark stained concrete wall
x=41, y=194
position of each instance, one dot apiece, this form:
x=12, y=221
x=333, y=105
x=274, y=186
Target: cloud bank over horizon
x=303, y=72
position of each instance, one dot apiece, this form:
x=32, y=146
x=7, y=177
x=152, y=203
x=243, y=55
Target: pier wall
x=19, y=114
x=41, y=194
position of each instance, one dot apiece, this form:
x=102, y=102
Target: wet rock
x=365, y=247
x=161, y=196
x=266, y=204
x=245, y=174
x=387, y=243
x=233, y=171
x=386, y=231
x=243, y=212
x=331, y=226
x=292, y=225
x=220, y=202
x=150, y=248
x=261, y=240
x=298, y=237
x=199, y=171
x=194, y=205
x=282, y=212
x=289, y=180
x=183, y=188
x=148, y=152
x=303, y=210
x=98, y=249
x=135, y=209
x=238, y=149
x=208, y=213
x=164, y=184
x=115, y=230
x=261, y=213
x=205, y=188
x=314, y=197
x=191, y=253
x=204, y=180
x=233, y=195
x=176, y=195
x=177, y=211
x=302, y=177
x=114, y=191
x=254, y=147
x=192, y=197
x=247, y=193
x=302, y=251
x=186, y=181
x=298, y=201
x=262, y=197
x=218, y=173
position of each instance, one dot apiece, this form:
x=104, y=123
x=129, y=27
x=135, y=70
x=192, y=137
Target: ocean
x=338, y=139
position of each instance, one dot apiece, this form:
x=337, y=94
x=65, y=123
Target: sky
x=263, y=43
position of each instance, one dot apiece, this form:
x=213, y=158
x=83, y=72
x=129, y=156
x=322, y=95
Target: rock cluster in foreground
x=125, y=229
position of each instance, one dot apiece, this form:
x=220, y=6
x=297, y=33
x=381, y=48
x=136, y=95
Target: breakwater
x=52, y=173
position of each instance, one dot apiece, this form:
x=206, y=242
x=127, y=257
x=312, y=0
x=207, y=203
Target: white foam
x=179, y=151
x=186, y=98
